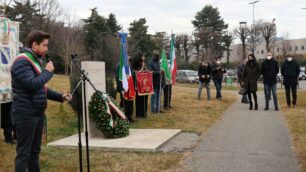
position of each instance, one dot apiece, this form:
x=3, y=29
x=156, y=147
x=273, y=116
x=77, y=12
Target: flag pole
x=159, y=98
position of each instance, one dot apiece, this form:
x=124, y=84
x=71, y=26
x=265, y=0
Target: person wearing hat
x=154, y=66
x=204, y=73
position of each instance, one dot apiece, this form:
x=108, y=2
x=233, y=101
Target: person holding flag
x=171, y=81
x=141, y=100
x=154, y=66
x=125, y=81
x=165, y=64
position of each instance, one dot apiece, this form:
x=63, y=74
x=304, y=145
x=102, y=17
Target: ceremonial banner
x=9, y=43
x=144, y=83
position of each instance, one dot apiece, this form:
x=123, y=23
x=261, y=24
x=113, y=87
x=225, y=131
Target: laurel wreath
x=111, y=125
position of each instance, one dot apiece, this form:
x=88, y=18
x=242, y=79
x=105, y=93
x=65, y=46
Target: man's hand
x=67, y=97
x=50, y=67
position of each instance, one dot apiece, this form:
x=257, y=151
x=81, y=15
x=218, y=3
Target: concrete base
x=142, y=140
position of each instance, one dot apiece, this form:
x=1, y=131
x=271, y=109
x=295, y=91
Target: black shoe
x=11, y=142
x=266, y=108
x=256, y=106
x=276, y=109
x=251, y=105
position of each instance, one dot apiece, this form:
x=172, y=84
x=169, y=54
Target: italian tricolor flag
x=172, y=60
x=125, y=74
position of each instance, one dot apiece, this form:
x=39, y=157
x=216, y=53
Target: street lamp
x=253, y=27
x=242, y=24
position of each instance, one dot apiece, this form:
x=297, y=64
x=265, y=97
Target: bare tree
x=177, y=44
x=267, y=31
x=186, y=45
x=228, y=39
x=196, y=44
x=242, y=33
x=285, y=44
x=71, y=37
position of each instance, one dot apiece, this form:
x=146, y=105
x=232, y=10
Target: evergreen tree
x=112, y=24
x=139, y=40
x=209, y=29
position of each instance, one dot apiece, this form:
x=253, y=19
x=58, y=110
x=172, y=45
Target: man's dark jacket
x=290, y=71
x=29, y=94
x=204, y=71
x=269, y=71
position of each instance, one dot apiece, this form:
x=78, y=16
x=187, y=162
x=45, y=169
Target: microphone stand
x=83, y=80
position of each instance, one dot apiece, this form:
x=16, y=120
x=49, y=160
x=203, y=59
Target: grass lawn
x=188, y=114
x=296, y=120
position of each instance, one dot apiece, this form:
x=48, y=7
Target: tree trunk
x=227, y=55
x=243, y=49
x=267, y=45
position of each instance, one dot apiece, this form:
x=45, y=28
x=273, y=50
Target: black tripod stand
x=83, y=80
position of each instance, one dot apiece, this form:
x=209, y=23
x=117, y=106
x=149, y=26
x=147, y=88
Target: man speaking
x=30, y=94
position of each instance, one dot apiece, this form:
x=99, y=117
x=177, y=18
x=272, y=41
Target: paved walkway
x=246, y=141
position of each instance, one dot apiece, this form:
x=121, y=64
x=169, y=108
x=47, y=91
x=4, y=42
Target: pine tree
x=209, y=29
x=112, y=24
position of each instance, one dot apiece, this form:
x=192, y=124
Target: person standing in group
x=6, y=123
x=154, y=66
x=167, y=90
x=30, y=94
x=217, y=75
x=290, y=71
x=240, y=70
x=126, y=104
x=269, y=71
x=250, y=76
x=204, y=73
x=141, y=100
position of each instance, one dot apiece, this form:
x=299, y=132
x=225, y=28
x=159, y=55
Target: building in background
x=279, y=48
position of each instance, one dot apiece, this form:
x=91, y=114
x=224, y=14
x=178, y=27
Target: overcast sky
x=165, y=15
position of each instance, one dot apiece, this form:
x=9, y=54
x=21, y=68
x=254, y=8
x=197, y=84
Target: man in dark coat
x=204, y=73
x=30, y=95
x=290, y=71
x=217, y=75
x=240, y=70
x=154, y=66
x=269, y=71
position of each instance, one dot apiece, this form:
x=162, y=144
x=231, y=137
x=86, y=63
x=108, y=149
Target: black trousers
x=128, y=108
x=121, y=101
x=141, y=106
x=250, y=93
x=6, y=121
x=29, y=130
x=293, y=89
x=167, y=95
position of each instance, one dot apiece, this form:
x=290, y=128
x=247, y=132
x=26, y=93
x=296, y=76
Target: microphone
x=48, y=58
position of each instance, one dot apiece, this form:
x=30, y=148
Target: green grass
x=188, y=114
x=296, y=120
